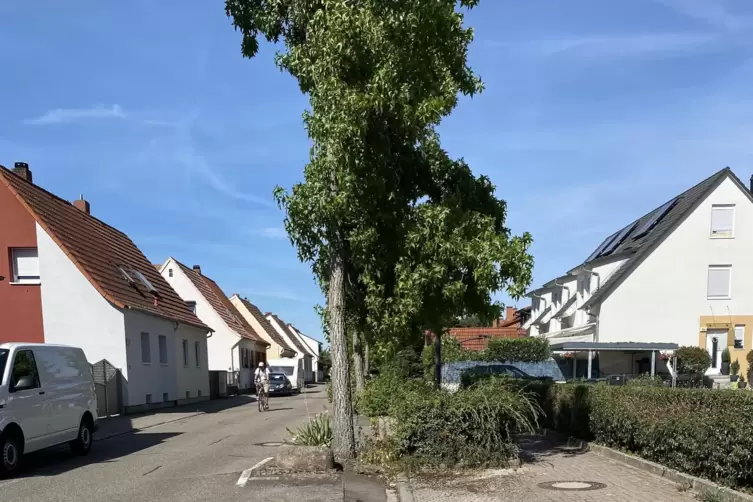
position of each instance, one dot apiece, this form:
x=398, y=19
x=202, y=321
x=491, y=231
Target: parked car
x=47, y=397
x=472, y=375
x=291, y=368
x=279, y=385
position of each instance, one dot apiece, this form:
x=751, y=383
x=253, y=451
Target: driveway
x=197, y=457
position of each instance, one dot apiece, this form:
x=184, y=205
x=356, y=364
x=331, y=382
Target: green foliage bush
x=691, y=430
x=644, y=381
x=692, y=360
x=523, y=349
x=317, y=432
x=473, y=427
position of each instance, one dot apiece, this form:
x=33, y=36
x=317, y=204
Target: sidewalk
x=124, y=424
x=553, y=472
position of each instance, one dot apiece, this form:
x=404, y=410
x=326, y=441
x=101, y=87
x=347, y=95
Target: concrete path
x=198, y=455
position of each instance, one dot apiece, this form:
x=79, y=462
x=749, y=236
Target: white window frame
x=24, y=279
x=162, y=339
x=185, y=353
x=146, y=357
x=740, y=328
x=723, y=234
x=728, y=296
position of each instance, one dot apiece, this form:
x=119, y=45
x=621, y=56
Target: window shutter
x=26, y=263
x=722, y=220
x=719, y=282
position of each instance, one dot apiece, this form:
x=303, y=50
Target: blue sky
x=594, y=113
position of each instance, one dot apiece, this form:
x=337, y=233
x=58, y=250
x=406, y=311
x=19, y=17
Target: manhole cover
x=572, y=486
x=268, y=444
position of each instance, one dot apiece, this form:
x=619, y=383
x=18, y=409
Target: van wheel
x=11, y=449
x=83, y=443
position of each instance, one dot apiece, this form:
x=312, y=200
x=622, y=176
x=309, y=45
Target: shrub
x=473, y=427
x=725, y=355
x=385, y=392
x=693, y=360
x=524, y=349
x=734, y=368
x=691, y=430
x=317, y=432
x=645, y=381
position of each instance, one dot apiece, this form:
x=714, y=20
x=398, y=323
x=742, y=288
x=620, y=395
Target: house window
x=196, y=347
x=165, y=397
x=25, y=265
x=146, y=350
x=188, y=394
x=170, y=272
x=722, y=220
x=739, y=336
x=185, y=352
x=162, y=349
x=719, y=283
x=148, y=399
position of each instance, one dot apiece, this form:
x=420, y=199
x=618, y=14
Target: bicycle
x=261, y=397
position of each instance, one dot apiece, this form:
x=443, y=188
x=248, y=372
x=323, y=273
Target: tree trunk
x=366, y=361
x=343, y=433
x=358, y=361
x=438, y=358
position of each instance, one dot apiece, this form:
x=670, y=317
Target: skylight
x=655, y=218
x=145, y=281
x=601, y=247
x=126, y=275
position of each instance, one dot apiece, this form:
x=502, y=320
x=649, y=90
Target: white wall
x=314, y=345
x=222, y=341
x=192, y=378
x=299, y=355
x=664, y=297
x=74, y=312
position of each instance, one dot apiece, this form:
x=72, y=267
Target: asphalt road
x=194, y=459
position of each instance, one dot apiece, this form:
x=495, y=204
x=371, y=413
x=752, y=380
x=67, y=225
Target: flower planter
x=725, y=368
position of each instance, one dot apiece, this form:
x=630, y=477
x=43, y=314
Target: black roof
x=636, y=249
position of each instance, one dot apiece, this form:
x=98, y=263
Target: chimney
x=22, y=169
x=197, y=269
x=509, y=313
x=750, y=186
x=82, y=204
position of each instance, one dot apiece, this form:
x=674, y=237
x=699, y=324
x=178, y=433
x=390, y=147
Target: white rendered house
x=303, y=352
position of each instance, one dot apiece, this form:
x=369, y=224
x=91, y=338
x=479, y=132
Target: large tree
x=380, y=75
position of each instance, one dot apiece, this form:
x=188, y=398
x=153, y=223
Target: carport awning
x=618, y=346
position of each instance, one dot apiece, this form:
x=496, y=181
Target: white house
x=234, y=346
x=293, y=340
x=278, y=347
x=315, y=347
x=677, y=275
x=96, y=290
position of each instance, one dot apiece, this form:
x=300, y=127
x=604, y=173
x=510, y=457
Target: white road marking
x=247, y=473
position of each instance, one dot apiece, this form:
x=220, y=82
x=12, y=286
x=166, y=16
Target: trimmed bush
x=697, y=431
x=692, y=360
x=472, y=427
x=526, y=349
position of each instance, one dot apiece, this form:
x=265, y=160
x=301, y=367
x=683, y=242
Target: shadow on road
x=60, y=459
x=277, y=409
x=536, y=448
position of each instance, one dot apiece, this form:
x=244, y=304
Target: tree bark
x=358, y=362
x=343, y=433
x=438, y=359
x=366, y=360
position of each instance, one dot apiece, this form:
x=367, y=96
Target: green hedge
x=523, y=349
x=697, y=431
x=473, y=427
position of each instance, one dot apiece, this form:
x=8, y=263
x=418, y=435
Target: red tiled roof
x=293, y=338
x=271, y=331
x=221, y=304
x=478, y=338
x=98, y=250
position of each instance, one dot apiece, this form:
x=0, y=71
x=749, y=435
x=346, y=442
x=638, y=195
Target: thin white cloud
x=68, y=115
x=713, y=13
x=270, y=232
x=608, y=46
x=277, y=294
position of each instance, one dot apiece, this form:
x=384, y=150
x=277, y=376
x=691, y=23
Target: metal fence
x=108, y=382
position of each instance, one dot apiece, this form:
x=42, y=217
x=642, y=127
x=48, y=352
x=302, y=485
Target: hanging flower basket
x=568, y=355
x=666, y=356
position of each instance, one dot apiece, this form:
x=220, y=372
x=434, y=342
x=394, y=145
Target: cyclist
x=261, y=379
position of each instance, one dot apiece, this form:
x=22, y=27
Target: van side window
x=24, y=365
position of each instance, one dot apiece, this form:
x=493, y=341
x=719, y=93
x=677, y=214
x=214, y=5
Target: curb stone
x=404, y=490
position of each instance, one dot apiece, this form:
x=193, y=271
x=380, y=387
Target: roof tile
x=293, y=338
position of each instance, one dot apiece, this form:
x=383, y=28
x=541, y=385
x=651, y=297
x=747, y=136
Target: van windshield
x=3, y=360
x=288, y=370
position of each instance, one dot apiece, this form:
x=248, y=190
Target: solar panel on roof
x=619, y=239
x=601, y=247
x=654, y=219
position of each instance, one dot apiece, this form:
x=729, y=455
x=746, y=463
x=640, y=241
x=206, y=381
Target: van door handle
x=41, y=392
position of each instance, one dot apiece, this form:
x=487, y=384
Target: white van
x=47, y=397
x=292, y=368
